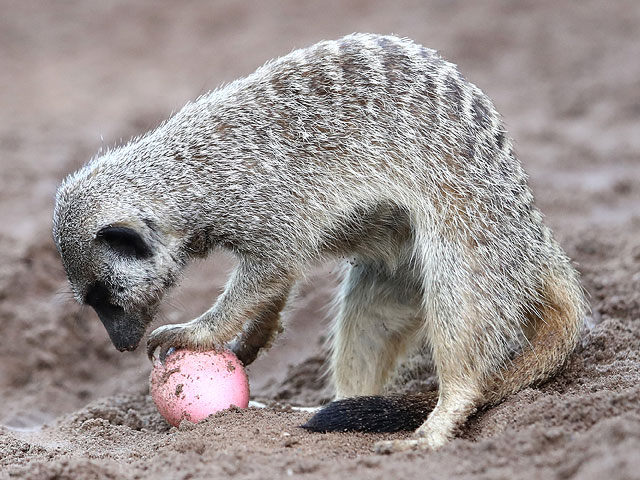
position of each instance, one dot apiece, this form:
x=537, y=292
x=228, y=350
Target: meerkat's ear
x=124, y=241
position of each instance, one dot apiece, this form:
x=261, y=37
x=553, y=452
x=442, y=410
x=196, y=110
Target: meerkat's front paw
x=167, y=337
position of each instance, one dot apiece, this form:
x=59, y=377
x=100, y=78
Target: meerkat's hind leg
x=377, y=320
x=460, y=393
x=380, y=319
x=457, y=399
x=458, y=337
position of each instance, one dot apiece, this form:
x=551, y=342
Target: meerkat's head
x=118, y=249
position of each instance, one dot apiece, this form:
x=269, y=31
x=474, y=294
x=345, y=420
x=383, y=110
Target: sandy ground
x=75, y=76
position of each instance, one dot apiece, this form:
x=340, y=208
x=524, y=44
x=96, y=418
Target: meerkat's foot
x=386, y=447
x=182, y=335
x=452, y=409
x=422, y=440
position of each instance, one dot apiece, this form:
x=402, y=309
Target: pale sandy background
x=75, y=76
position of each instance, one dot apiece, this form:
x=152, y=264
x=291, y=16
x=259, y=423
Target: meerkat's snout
x=124, y=330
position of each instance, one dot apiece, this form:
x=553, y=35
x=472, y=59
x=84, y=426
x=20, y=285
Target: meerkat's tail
x=381, y=414
x=552, y=332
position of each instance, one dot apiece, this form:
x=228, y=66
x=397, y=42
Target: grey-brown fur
x=371, y=148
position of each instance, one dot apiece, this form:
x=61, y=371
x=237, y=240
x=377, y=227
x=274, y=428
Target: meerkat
x=369, y=148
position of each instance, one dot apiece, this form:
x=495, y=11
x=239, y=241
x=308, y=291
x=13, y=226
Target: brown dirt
x=79, y=75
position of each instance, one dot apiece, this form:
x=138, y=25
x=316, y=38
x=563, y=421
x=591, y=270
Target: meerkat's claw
x=167, y=338
x=192, y=335
x=165, y=351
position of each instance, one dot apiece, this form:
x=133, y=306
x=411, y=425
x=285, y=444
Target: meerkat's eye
x=125, y=241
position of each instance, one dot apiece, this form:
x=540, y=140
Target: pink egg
x=193, y=385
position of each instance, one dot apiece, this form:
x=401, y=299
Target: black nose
x=124, y=330
x=98, y=297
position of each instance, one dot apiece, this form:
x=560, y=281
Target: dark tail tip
x=379, y=414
